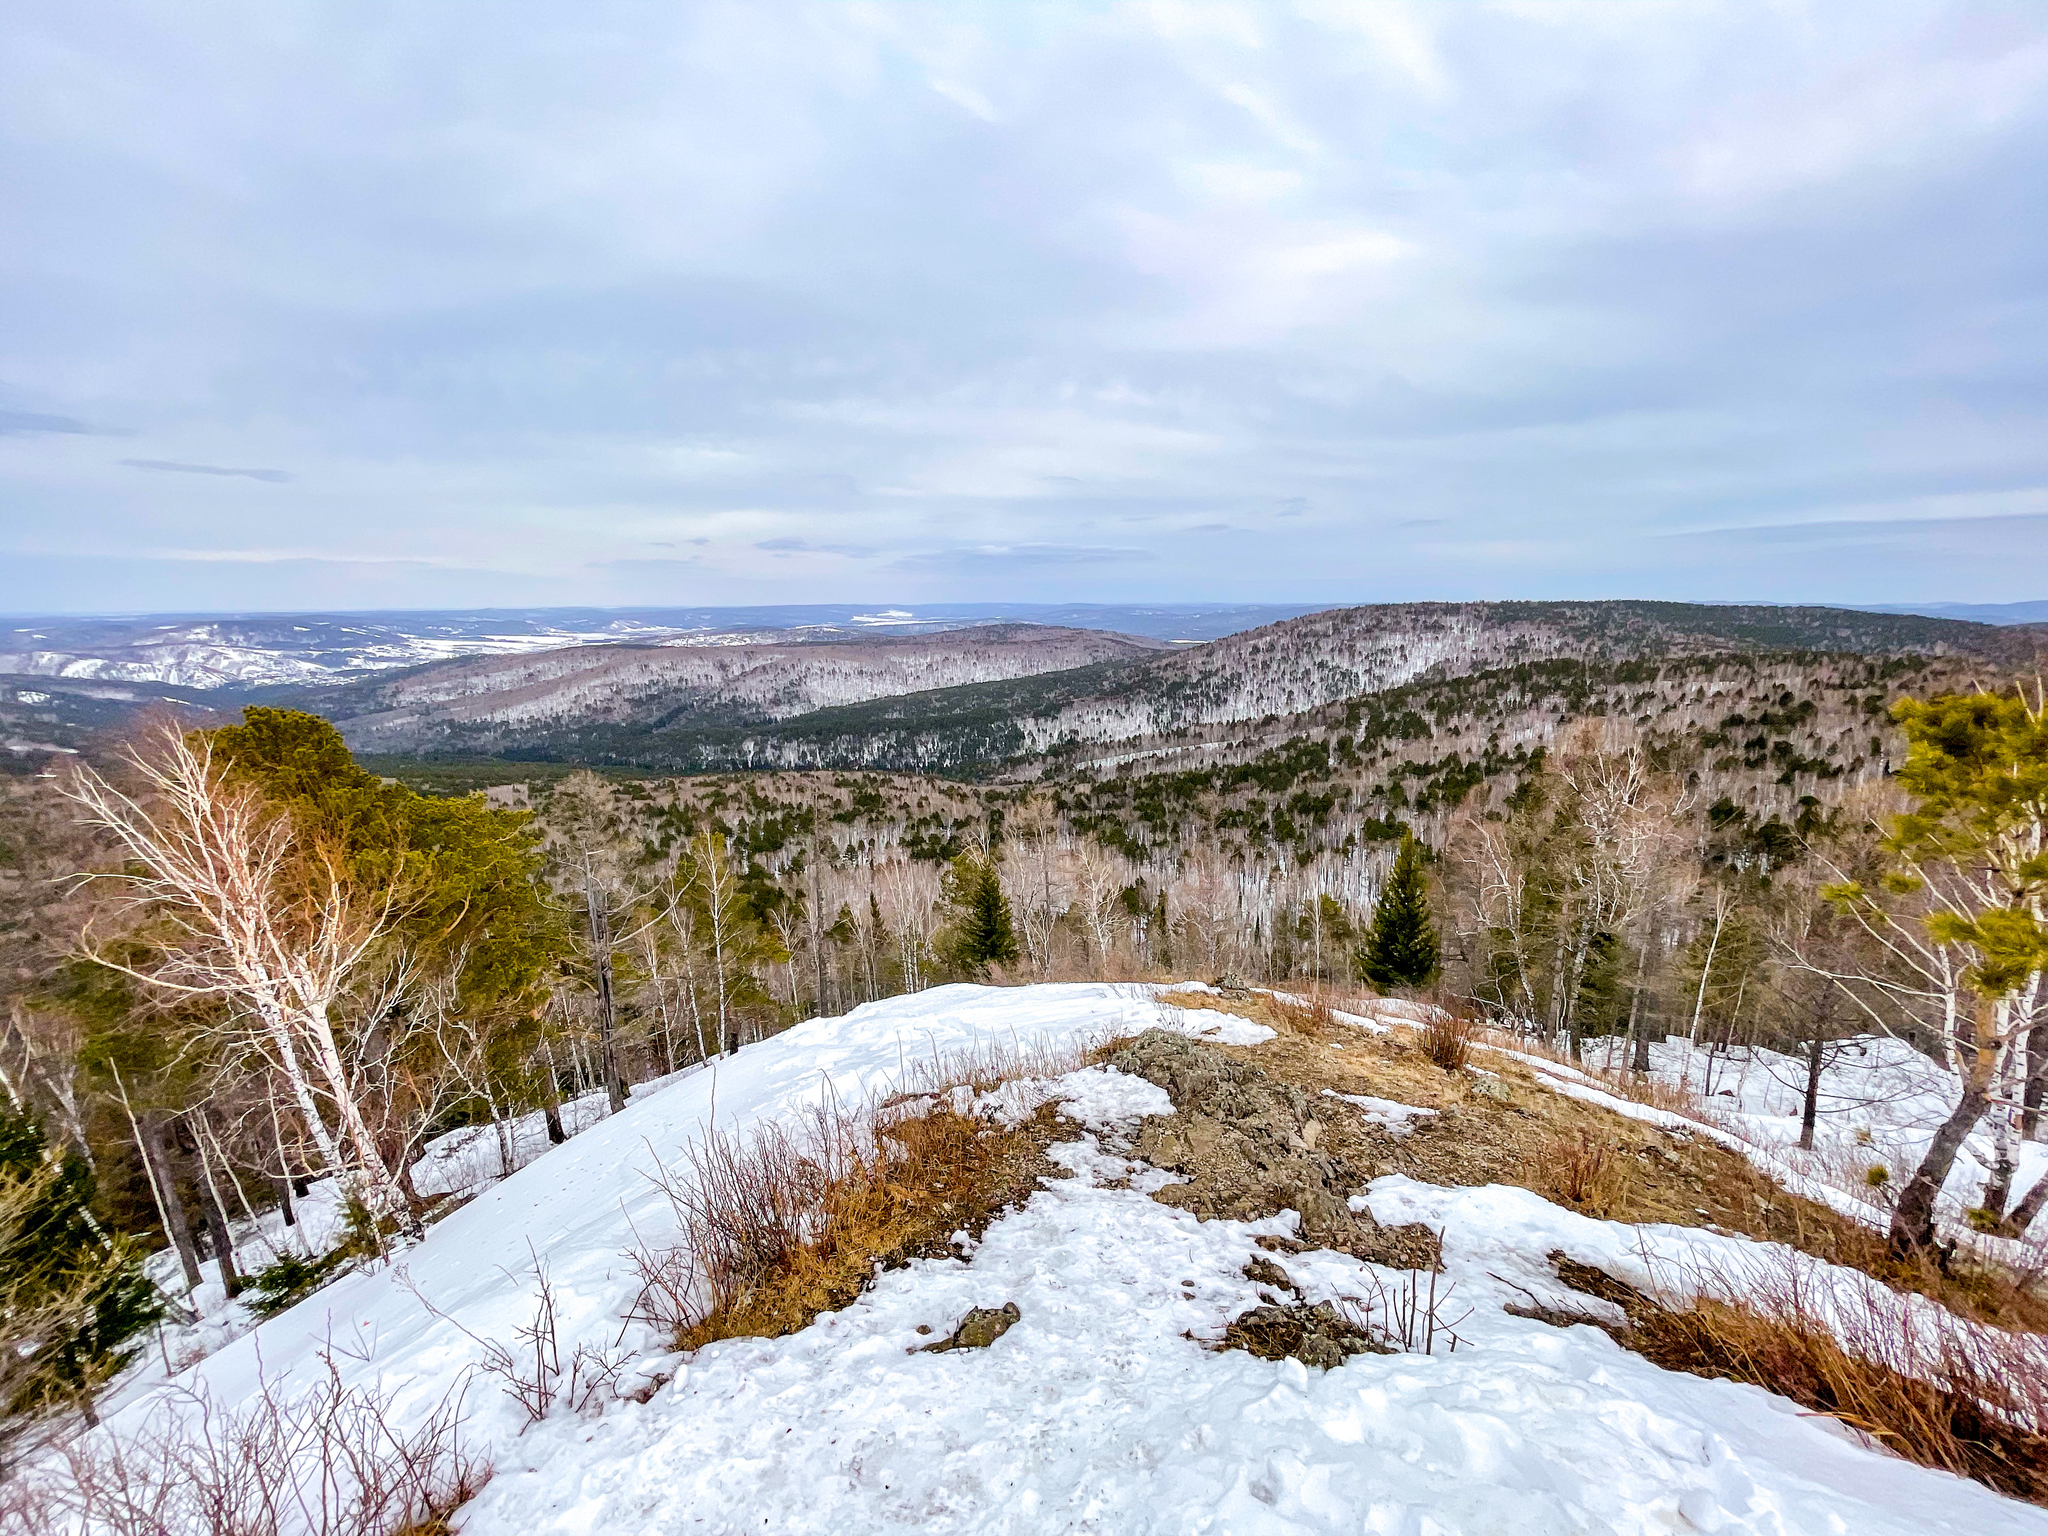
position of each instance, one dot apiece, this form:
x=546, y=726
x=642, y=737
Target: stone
x=981, y=1327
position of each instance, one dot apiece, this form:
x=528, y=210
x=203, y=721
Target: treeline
x=237, y=962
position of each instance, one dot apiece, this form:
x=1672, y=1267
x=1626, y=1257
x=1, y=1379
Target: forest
x=238, y=962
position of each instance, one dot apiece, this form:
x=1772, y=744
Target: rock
x=1243, y=1141
x=980, y=1328
x=1316, y=1335
x=1263, y=1271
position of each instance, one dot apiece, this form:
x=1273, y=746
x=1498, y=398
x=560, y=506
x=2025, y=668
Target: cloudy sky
x=437, y=305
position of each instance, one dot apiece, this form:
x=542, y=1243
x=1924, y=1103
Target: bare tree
x=239, y=908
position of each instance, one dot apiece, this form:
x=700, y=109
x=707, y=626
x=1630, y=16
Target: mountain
x=1223, y=696
x=489, y=704
x=40, y=717
x=244, y=652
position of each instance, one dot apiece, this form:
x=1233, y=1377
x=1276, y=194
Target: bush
x=280, y=1286
x=779, y=1225
x=1447, y=1039
x=326, y=1462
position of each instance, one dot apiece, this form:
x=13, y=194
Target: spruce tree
x=71, y=1297
x=1401, y=948
x=983, y=932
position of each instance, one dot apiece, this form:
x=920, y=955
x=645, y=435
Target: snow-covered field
x=1101, y=1410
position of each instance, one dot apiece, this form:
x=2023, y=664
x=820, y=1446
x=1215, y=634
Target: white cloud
x=961, y=287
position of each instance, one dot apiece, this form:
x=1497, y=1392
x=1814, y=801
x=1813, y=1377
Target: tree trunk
x=2021, y=1216
x=150, y=1131
x=284, y=1170
x=217, y=1233
x=2035, y=1092
x=607, y=1013
x=817, y=929
x=551, y=1097
x=1811, y=1109
x=1998, y=1188
x=1638, y=1037
x=1913, y=1218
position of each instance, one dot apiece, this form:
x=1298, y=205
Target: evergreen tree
x=70, y=1295
x=1401, y=947
x=983, y=933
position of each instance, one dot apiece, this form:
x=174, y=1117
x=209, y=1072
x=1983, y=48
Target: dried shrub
x=1923, y=1383
x=324, y=1462
x=1447, y=1039
x=1581, y=1171
x=1309, y=1016
x=1321, y=1335
x=1411, y=1314
x=779, y=1225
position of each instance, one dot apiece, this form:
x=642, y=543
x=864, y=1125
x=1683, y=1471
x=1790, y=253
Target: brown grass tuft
x=1311, y=1016
x=780, y=1225
x=1447, y=1039
x=1923, y=1383
x=1580, y=1170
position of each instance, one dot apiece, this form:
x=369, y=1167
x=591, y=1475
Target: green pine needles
x=983, y=933
x=1401, y=948
x=71, y=1297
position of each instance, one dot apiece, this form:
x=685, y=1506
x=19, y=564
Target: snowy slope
x=1880, y=1103
x=1096, y=1412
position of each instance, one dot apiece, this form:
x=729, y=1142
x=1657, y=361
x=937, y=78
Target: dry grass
x=1311, y=1017
x=1447, y=1039
x=1582, y=1171
x=780, y=1225
x=1504, y=1129
x=325, y=1462
x=1932, y=1388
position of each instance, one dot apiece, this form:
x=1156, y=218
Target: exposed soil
x=1319, y=1335
x=1251, y=1144
x=1503, y=1125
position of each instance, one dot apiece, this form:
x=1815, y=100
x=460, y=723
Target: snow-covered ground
x=1880, y=1103
x=1101, y=1410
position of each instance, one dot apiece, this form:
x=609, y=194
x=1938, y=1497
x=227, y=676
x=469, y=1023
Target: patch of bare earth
x=1505, y=1126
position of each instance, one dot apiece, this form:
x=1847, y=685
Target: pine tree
x=983, y=932
x=70, y=1295
x=1401, y=947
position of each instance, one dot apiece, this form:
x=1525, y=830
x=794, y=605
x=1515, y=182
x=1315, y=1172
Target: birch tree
x=240, y=909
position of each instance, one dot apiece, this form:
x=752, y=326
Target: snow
x=1103, y=1409
x=1219, y=1028
x=1386, y=1113
x=1880, y=1103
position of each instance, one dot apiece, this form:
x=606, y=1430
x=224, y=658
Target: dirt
x=1251, y=1145
x=1319, y=1335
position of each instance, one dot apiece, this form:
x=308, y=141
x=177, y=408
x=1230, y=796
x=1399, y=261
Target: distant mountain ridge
x=256, y=651
x=1132, y=701
x=491, y=702
x=1976, y=613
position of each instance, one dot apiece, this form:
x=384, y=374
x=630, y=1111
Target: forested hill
x=1254, y=687
x=671, y=690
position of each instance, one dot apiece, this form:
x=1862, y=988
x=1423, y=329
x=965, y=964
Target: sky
x=374, y=305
